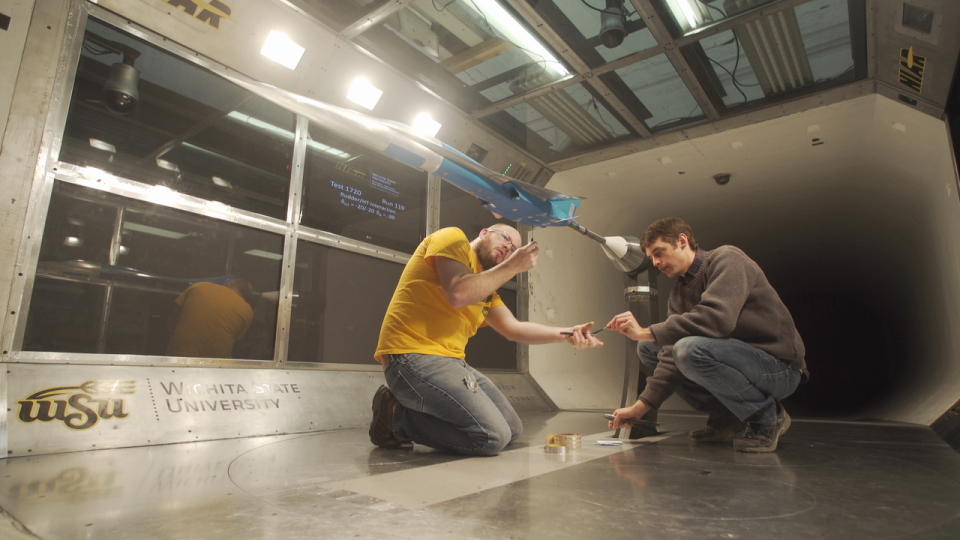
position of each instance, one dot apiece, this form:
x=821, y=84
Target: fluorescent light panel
x=282, y=50
x=155, y=231
x=493, y=12
x=264, y=254
x=286, y=134
x=689, y=14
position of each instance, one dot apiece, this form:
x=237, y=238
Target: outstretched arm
x=503, y=321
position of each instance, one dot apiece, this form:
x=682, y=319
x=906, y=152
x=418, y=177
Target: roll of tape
x=557, y=449
x=570, y=440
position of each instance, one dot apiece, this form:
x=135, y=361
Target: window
x=189, y=129
x=112, y=269
x=339, y=303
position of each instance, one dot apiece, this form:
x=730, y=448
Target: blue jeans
x=446, y=404
x=724, y=376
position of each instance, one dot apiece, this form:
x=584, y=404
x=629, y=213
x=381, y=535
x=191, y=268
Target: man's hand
x=627, y=324
x=580, y=337
x=523, y=258
x=624, y=415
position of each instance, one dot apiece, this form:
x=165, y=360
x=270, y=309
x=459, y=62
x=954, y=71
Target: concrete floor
x=829, y=480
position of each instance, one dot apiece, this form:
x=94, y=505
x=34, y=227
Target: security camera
x=121, y=90
x=613, y=21
x=721, y=178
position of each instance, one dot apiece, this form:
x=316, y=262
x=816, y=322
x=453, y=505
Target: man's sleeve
x=450, y=243
x=728, y=285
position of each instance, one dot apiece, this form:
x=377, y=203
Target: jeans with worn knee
x=449, y=405
x=724, y=376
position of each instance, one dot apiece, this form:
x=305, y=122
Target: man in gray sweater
x=729, y=345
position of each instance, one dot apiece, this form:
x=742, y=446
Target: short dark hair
x=669, y=230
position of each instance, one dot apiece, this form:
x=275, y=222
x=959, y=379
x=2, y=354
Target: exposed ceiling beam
x=661, y=33
x=476, y=55
x=558, y=44
x=372, y=18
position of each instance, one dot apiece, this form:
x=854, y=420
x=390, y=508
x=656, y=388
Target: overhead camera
x=121, y=90
x=721, y=178
x=613, y=22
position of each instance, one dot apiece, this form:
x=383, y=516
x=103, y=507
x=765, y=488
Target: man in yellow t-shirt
x=446, y=292
x=212, y=318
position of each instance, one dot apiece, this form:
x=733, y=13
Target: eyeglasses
x=506, y=238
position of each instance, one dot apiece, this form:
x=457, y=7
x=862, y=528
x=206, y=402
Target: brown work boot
x=719, y=430
x=381, y=427
x=764, y=437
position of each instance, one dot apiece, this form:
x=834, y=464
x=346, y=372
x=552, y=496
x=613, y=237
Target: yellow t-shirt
x=419, y=318
x=212, y=318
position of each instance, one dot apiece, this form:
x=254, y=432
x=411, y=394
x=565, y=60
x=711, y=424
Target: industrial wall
x=851, y=209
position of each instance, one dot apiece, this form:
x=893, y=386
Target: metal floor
x=829, y=480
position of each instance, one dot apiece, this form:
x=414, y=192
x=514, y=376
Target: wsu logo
x=78, y=407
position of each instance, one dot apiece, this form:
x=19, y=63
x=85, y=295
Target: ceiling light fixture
x=689, y=14
x=424, y=124
x=776, y=52
x=282, y=50
x=364, y=93
x=493, y=13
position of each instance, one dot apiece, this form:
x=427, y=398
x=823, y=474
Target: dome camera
x=121, y=90
x=613, y=24
x=721, y=178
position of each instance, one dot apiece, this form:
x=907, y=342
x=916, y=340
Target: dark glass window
x=188, y=129
x=121, y=276
x=361, y=194
x=339, y=303
x=490, y=350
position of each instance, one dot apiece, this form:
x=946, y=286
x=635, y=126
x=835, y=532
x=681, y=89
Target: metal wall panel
x=90, y=407
x=74, y=407
x=15, y=18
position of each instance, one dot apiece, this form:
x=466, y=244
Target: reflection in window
x=358, y=193
x=340, y=299
x=188, y=129
x=126, y=277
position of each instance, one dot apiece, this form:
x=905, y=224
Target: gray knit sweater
x=725, y=294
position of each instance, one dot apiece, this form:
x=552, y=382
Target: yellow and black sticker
x=911, y=69
x=207, y=11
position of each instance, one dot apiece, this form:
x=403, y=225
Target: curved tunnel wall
x=859, y=235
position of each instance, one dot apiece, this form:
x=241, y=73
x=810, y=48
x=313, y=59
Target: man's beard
x=485, y=256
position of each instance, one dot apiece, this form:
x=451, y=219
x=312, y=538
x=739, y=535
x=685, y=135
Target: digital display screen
x=357, y=193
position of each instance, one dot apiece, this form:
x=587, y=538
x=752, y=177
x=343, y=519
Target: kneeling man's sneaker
x=764, y=437
x=718, y=430
x=381, y=427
